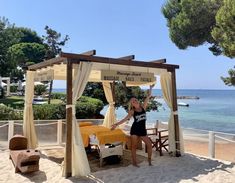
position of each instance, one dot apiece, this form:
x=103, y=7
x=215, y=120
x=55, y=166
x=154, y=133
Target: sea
x=213, y=111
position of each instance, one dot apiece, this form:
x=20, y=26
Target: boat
x=183, y=104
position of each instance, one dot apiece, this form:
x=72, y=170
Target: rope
x=46, y=124
x=225, y=139
x=4, y=125
x=196, y=135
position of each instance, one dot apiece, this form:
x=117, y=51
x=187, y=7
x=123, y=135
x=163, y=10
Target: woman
x=138, y=128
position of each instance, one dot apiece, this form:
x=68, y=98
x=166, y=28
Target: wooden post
x=175, y=108
x=68, y=157
x=211, y=144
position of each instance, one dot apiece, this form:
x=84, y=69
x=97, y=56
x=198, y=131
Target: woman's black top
x=138, y=127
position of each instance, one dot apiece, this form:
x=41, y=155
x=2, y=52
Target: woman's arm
x=148, y=96
x=129, y=115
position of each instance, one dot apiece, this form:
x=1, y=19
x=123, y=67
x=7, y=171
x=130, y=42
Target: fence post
x=211, y=144
x=59, y=132
x=10, y=130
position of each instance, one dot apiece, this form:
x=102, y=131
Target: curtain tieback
x=29, y=103
x=73, y=108
x=175, y=112
x=111, y=103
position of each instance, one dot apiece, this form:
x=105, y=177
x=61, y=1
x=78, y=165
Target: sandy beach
x=167, y=169
x=223, y=151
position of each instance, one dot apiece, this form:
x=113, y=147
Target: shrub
x=8, y=113
x=40, y=89
x=88, y=107
x=49, y=111
x=13, y=89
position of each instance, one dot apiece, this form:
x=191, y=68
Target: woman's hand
x=151, y=86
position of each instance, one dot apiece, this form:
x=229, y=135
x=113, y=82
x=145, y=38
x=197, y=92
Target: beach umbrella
x=4, y=84
x=35, y=83
x=38, y=83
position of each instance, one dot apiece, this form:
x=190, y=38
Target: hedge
x=8, y=113
x=86, y=108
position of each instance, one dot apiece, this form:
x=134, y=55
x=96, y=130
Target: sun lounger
x=25, y=160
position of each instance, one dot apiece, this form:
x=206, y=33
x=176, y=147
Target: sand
x=165, y=169
x=223, y=151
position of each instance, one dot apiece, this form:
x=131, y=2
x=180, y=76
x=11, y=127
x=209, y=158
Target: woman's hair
x=130, y=107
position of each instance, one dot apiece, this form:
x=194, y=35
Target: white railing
x=12, y=124
x=211, y=136
x=208, y=135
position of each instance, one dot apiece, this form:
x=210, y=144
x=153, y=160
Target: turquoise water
x=215, y=110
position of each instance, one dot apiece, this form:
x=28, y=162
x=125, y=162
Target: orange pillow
x=85, y=123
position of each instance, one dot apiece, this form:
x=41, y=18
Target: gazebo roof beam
x=129, y=57
x=76, y=58
x=51, y=62
x=160, y=61
x=89, y=53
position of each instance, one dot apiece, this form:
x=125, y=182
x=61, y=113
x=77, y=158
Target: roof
x=59, y=65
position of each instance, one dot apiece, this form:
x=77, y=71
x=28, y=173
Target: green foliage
x=230, y=80
x=224, y=31
x=17, y=74
x=16, y=102
x=124, y=94
x=7, y=113
x=87, y=107
x=58, y=95
x=49, y=111
x=190, y=22
x=95, y=90
x=53, y=41
x=23, y=53
x=10, y=35
x=26, y=35
x=13, y=89
x=40, y=89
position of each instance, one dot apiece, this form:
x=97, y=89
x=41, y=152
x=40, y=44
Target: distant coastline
x=179, y=97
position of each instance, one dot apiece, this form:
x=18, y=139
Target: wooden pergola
x=69, y=60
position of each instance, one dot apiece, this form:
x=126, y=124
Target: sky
x=120, y=28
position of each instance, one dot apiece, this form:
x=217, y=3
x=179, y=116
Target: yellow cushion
x=87, y=123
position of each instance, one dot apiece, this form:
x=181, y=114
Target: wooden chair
x=159, y=138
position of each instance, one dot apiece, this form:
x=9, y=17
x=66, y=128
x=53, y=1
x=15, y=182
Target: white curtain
x=28, y=124
x=166, y=85
x=80, y=165
x=110, y=117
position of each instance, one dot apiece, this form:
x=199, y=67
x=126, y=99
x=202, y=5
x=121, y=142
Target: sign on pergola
x=132, y=72
x=111, y=75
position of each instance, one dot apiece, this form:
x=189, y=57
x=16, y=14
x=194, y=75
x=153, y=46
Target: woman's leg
x=134, y=139
x=149, y=148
